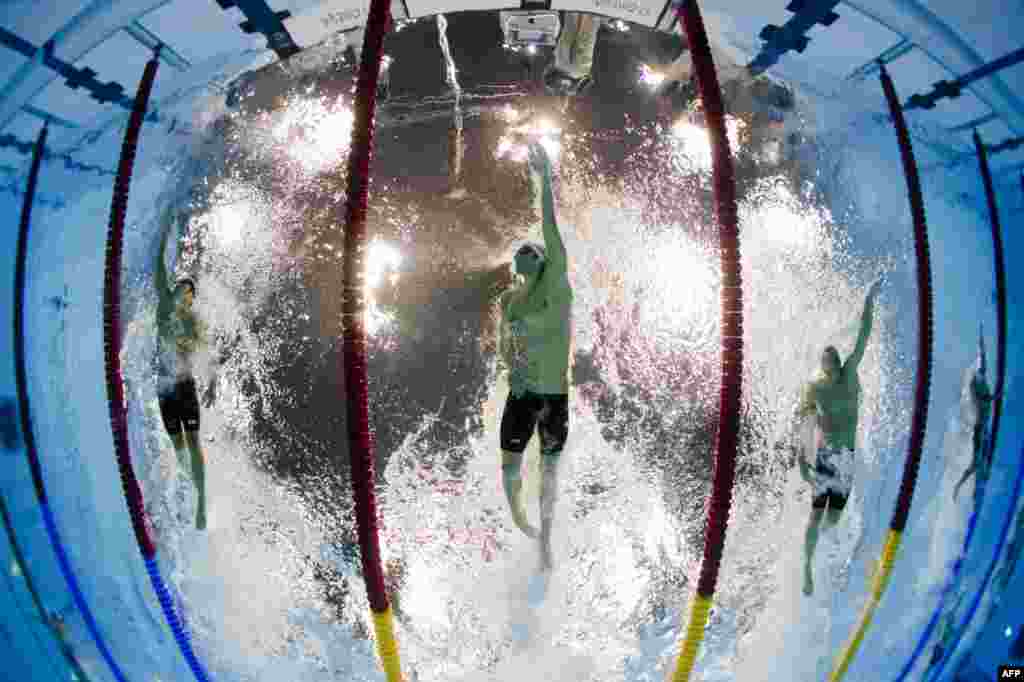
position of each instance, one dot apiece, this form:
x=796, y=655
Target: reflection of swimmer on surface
x=764, y=105
x=456, y=157
x=571, y=72
x=741, y=92
x=834, y=400
x=353, y=54
x=946, y=629
x=536, y=336
x=568, y=75
x=977, y=397
x=180, y=335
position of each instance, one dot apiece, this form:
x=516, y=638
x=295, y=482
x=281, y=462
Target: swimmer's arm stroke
x=165, y=296
x=504, y=335
x=807, y=406
x=853, y=362
x=160, y=268
x=224, y=352
x=804, y=409
x=556, y=255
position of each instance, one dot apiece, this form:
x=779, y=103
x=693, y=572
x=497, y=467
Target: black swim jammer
x=179, y=405
x=548, y=413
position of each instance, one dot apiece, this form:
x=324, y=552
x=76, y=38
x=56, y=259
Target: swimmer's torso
x=540, y=339
x=978, y=399
x=836, y=405
x=179, y=337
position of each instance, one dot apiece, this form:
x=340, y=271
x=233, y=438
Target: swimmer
x=456, y=157
x=574, y=56
x=834, y=399
x=979, y=398
x=179, y=335
x=536, y=335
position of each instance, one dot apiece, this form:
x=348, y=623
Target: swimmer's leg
x=811, y=541
x=182, y=446
x=553, y=430
x=171, y=417
x=178, y=440
x=198, y=477
x=189, y=403
x=512, y=481
x=548, y=493
x=517, y=424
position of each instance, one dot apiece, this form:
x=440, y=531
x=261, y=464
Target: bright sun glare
x=514, y=144
x=694, y=142
x=686, y=282
x=315, y=133
x=651, y=77
x=230, y=213
x=382, y=262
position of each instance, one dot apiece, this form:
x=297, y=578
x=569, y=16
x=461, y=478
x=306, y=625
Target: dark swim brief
x=832, y=477
x=830, y=499
x=179, y=405
x=548, y=413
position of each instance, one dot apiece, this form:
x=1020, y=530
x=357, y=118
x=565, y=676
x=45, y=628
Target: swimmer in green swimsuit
x=179, y=334
x=834, y=401
x=536, y=337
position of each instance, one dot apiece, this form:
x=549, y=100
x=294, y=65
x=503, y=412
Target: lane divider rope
x=115, y=381
x=361, y=445
x=1000, y=277
x=958, y=572
x=731, y=392
x=28, y=432
x=919, y=420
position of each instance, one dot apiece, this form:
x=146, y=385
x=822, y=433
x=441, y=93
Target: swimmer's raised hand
x=875, y=287
x=539, y=158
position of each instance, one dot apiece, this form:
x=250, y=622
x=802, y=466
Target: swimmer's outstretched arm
x=160, y=268
x=165, y=295
x=853, y=362
x=225, y=351
x=556, y=255
x=504, y=334
x=804, y=409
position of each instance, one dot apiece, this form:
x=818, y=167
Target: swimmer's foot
x=201, y=519
x=546, y=560
x=808, y=581
x=519, y=516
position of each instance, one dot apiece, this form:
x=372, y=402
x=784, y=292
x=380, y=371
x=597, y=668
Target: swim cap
x=532, y=248
x=187, y=281
x=530, y=258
